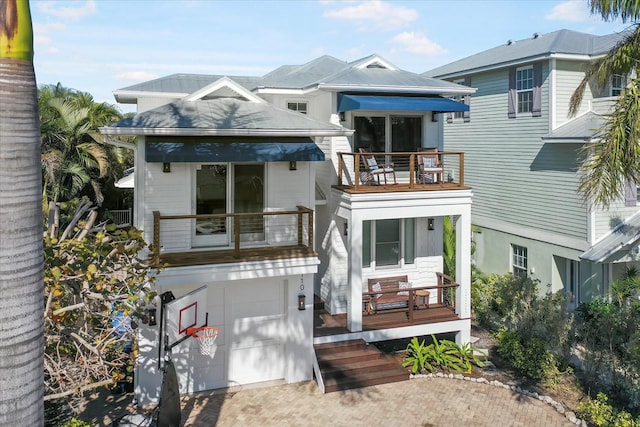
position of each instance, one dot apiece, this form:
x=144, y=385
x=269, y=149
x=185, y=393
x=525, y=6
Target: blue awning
x=398, y=103
x=235, y=150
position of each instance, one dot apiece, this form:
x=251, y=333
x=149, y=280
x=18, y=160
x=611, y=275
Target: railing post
x=356, y=171
x=236, y=234
x=156, y=237
x=412, y=171
x=461, y=169
x=300, y=230
x=411, y=303
x=310, y=213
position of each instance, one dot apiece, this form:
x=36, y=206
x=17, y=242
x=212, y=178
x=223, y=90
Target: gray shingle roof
x=558, y=42
x=220, y=116
x=580, y=129
x=186, y=83
x=384, y=77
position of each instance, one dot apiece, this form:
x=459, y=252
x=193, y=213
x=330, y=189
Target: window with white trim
x=459, y=98
x=300, y=107
x=388, y=242
x=618, y=83
x=519, y=261
x=524, y=89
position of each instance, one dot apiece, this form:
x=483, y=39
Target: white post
x=354, y=304
x=463, y=270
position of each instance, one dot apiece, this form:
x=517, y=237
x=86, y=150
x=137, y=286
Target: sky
x=99, y=46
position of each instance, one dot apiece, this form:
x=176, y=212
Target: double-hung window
x=388, y=242
x=524, y=89
x=519, y=261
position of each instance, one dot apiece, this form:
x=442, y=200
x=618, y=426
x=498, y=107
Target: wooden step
x=338, y=382
x=351, y=356
x=353, y=364
x=340, y=347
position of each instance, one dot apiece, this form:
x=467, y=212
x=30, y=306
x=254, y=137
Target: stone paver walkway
x=418, y=402
x=422, y=402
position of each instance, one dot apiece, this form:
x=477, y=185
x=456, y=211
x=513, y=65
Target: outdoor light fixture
x=430, y=225
x=346, y=228
x=293, y=165
x=301, y=304
x=153, y=321
x=166, y=167
x=342, y=116
x=434, y=116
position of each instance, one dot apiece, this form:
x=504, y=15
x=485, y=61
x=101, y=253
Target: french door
x=228, y=188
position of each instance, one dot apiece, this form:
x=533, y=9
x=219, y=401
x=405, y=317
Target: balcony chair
x=374, y=170
x=430, y=168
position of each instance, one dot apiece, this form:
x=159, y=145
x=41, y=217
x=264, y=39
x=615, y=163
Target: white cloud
x=570, y=11
x=414, y=42
x=71, y=13
x=136, y=76
x=318, y=51
x=386, y=16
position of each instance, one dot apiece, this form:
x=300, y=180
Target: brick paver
x=418, y=402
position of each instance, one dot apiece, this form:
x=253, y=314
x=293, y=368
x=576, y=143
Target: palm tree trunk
x=21, y=251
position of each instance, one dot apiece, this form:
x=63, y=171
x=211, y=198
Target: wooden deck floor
x=325, y=324
x=400, y=188
x=181, y=259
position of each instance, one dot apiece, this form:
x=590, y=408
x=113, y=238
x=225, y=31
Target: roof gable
x=223, y=87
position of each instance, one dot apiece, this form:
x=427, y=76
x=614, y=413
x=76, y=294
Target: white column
x=463, y=269
x=354, y=304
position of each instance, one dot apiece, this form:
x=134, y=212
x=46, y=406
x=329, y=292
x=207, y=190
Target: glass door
x=211, y=198
x=248, y=197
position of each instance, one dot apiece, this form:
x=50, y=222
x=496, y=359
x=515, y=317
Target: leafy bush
x=444, y=354
x=599, y=412
x=74, y=422
x=530, y=357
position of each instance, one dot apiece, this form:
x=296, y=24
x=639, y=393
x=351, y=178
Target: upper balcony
x=232, y=237
x=400, y=171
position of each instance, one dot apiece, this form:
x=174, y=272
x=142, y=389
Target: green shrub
x=444, y=355
x=600, y=413
x=74, y=422
x=528, y=357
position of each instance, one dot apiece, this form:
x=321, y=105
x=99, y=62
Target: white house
x=255, y=189
x=531, y=219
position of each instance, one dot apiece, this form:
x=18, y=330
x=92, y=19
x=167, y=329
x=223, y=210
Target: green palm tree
x=72, y=158
x=615, y=159
x=21, y=253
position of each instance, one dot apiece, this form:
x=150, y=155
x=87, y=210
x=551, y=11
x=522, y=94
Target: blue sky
x=98, y=46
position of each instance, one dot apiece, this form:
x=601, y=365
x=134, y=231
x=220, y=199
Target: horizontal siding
x=515, y=177
x=569, y=74
x=607, y=219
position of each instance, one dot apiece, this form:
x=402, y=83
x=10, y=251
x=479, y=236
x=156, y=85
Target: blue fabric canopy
x=235, y=150
x=398, y=103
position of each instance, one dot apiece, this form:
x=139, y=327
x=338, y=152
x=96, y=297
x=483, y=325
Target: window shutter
x=631, y=194
x=466, y=115
x=513, y=96
x=537, y=90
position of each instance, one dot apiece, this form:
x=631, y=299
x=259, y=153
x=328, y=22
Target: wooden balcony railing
x=238, y=233
x=352, y=172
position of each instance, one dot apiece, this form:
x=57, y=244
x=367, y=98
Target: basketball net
x=206, y=338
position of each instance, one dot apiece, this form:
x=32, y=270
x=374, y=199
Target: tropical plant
x=615, y=159
x=625, y=287
x=599, y=412
x=21, y=268
x=440, y=354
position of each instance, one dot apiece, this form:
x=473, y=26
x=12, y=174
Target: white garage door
x=254, y=328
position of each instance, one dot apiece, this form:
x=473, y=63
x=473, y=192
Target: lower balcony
x=191, y=240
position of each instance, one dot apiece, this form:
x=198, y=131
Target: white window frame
x=295, y=106
x=460, y=99
x=617, y=83
x=373, y=245
x=524, y=86
x=519, y=261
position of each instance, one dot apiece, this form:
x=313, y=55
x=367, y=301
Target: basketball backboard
x=187, y=311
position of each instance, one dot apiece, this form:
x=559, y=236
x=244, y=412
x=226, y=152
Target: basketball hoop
x=206, y=337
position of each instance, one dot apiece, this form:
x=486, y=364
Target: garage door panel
x=254, y=364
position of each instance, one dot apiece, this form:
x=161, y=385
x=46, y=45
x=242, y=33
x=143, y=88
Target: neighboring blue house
x=255, y=189
x=522, y=154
